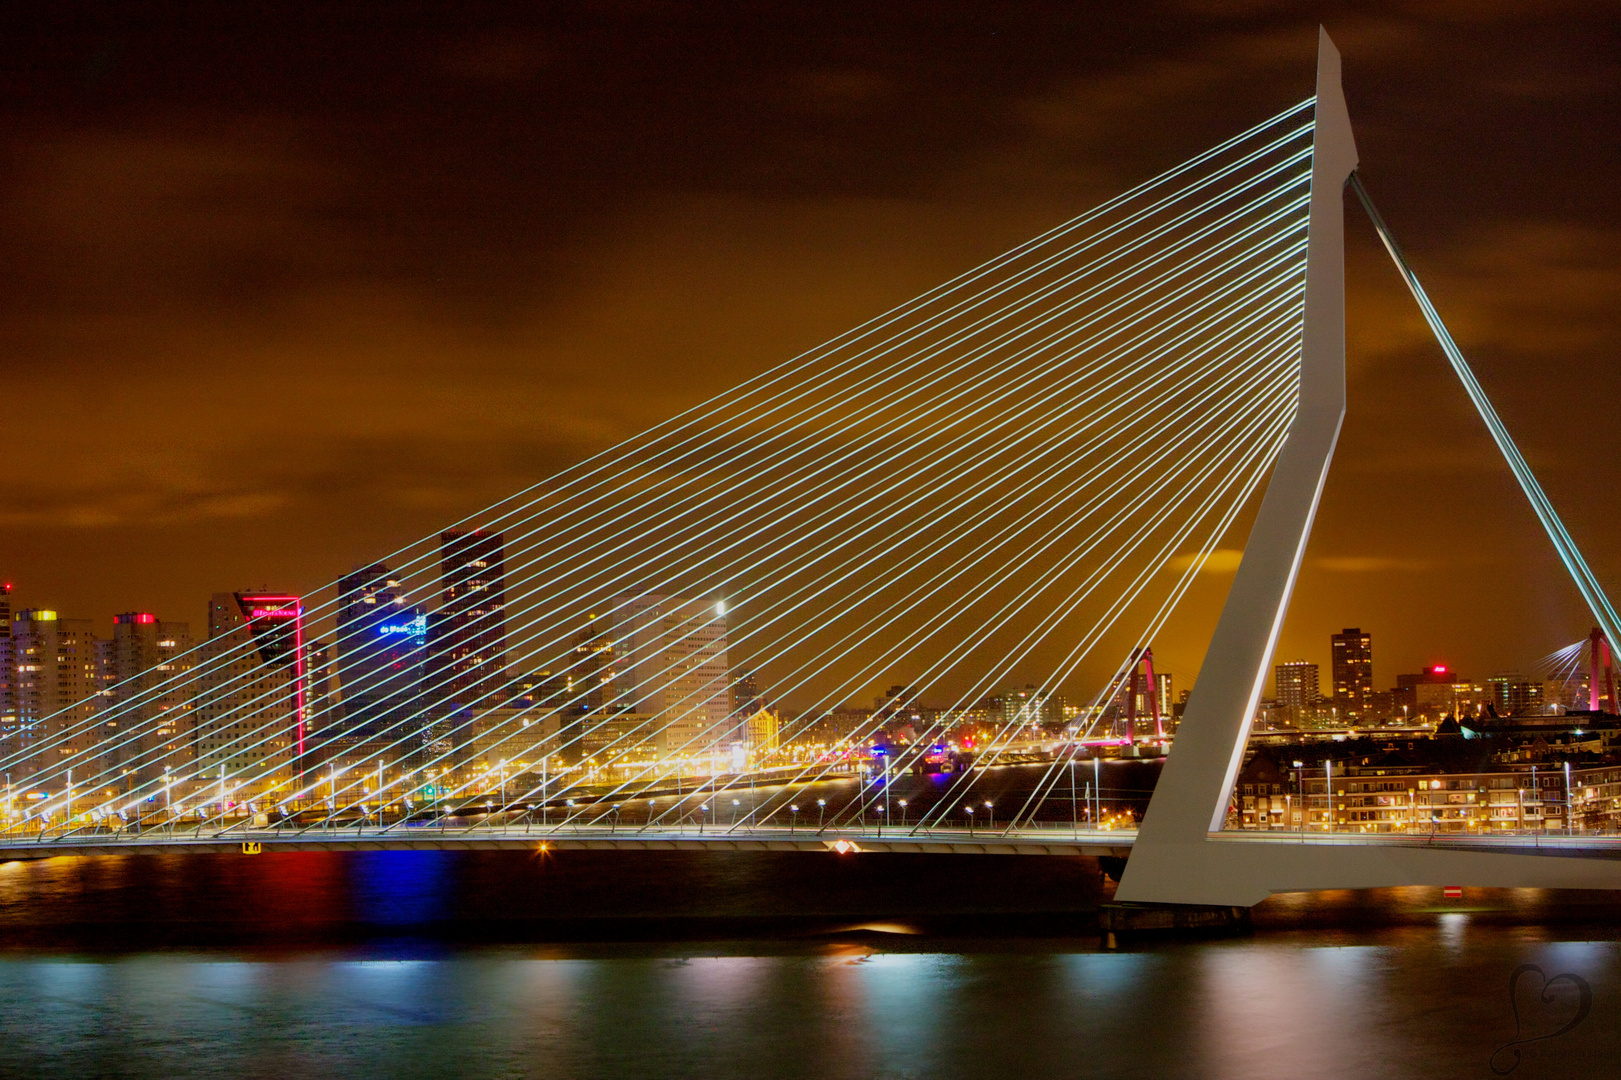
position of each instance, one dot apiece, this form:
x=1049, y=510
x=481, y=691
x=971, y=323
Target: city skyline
x=1420, y=524
x=697, y=538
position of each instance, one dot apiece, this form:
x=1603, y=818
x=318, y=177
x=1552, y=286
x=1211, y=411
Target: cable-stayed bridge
x=1021, y=471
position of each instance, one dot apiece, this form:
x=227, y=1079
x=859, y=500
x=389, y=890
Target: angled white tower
x=1180, y=855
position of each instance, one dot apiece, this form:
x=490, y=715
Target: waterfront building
x=1032, y=706
x=1595, y=799
x=761, y=736
x=381, y=650
x=1172, y=714
x=974, y=722
x=466, y=637
x=1430, y=694
x=250, y=710
x=902, y=713
x=151, y=695
x=1296, y=683
x=10, y=734
x=321, y=706
x=1391, y=794
x=515, y=740
x=746, y=698
x=1568, y=694
x=621, y=738
x=1352, y=668
x=1514, y=695
x=841, y=727
x=58, y=691
x=666, y=658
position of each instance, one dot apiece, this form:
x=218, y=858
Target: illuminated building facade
x=467, y=636
x=150, y=663
x=9, y=732
x=1514, y=695
x=668, y=660
x=1296, y=684
x=381, y=648
x=58, y=684
x=1352, y=652
x=513, y=740
x=250, y=708
x=1031, y=706
x=1430, y=694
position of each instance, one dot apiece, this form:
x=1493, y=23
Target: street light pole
x=1328, y=773
x=1097, y=791
x=1074, y=808
x=1570, y=817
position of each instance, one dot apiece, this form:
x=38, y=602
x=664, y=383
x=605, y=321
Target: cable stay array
x=1011, y=479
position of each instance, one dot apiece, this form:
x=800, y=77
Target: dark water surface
x=293, y=966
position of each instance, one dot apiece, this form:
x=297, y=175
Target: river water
x=506, y=964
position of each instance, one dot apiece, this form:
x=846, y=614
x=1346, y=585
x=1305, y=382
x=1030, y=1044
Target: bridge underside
x=1116, y=845
x=1274, y=863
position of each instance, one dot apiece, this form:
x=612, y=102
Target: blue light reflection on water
x=401, y=888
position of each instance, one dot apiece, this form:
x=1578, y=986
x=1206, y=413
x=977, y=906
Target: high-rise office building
x=746, y=700
x=1515, y=695
x=9, y=735
x=1352, y=652
x=1431, y=693
x=250, y=709
x=321, y=706
x=58, y=690
x=1296, y=684
x=1031, y=706
x=381, y=648
x=668, y=661
x=467, y=635
x=148, y=726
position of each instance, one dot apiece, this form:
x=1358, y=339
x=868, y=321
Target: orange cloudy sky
x=284, y=287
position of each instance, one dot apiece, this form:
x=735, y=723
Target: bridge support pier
x=1121, y=922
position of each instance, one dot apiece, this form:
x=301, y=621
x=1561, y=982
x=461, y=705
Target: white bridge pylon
x=1181, y=854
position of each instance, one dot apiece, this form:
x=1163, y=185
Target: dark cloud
x=282, y=287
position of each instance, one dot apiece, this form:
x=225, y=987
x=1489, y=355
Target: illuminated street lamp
x=990, y=808
x=903, y=813
x=821, y=809
x=793, y=818
x=970, y=811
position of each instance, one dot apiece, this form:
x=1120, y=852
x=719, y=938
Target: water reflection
x=1237, y=1009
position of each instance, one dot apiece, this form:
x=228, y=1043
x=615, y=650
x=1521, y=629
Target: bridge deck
x=1026, y=841
x=584, y=838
